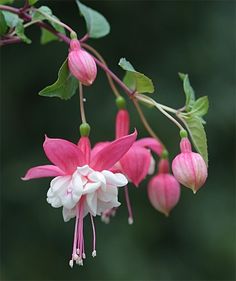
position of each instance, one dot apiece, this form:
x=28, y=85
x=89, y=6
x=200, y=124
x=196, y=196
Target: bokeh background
x=197, y=242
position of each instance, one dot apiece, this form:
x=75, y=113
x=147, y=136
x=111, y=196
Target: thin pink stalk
x=130, y=219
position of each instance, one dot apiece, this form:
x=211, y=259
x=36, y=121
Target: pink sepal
x=43, y=172
x=185, y=145
x=122, y=123
x=64, y=154
x=135, y=164
x=112, y=153
x=151, y=143
x=163, y=166
x=85, y=146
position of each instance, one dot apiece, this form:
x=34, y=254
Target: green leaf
x=6, y=1
x=65, y=86
x=11, y=19
x=3, y=24
x=135, y=80
x=188, y=90
x=47, y=37
x=20, y=31
x=197, y=134
x=45, y=13
x=200, y=106
x=32, y=2
x=97, y=25
x=41, y=13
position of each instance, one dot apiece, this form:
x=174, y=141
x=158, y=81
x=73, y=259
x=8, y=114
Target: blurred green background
x=197, y=242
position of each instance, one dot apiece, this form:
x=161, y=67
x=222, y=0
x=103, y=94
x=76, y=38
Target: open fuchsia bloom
x=164, y=189
x=82, y=184
x=81, y=64
x=137, y=163
x=188, y=167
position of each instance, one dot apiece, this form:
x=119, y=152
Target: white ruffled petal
x=85, y=170
x=103, y=206
x=91, y=187
x=68, y=213
x=91, y=199
x=111, y=194
x=60, y=184
x=97, y=177
x=117, y=179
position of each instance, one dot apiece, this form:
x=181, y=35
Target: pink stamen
x=130, y=218
x=78, y=244
x=94, y=253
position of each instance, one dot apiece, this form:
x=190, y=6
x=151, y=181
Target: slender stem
x=9, y=41
x=112, y=85
x=81, y=100
x=27, y=17
x=152, y=102
x=145, y=122
x=25, y=26
x=84, y=38
x=114, y=77
x=130, y=218
x=55, y=20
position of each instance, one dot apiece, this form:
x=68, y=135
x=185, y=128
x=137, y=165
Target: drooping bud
x=81, y=63
x=164, y=189
x=188, y=167
x=122, y=123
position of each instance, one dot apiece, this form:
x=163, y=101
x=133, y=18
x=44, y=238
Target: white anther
x=130, y=221
x=94, y=253
x=77, y=251
x=79, y=262
x=75, y=257
x=84, y=256
x=71, y=263
x=84, y=99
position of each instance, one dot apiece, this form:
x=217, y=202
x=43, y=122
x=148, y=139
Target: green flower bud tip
x=183, y=134
x=84, y=129
x=120, y=102
x=164, y=154
x=73, y=35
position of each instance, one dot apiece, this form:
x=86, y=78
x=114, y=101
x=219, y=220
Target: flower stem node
x=84, y=129
x=121, y=103
x=164, y=154
x=183, y=134
x=73, y=35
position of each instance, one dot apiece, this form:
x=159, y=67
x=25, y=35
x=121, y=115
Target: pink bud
x=81, y=63
x=122, y=123
x=163, y=189
x=188, y=167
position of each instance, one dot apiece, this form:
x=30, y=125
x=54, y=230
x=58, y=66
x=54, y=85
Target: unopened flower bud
x=188, y=167
x=164, y=189
x=81, y=63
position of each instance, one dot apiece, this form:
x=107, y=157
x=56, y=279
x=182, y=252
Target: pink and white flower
x=82, y=184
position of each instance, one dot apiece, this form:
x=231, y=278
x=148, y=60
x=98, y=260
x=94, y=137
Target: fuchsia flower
x=82, y=184
x=81, y=63
x=164, y=189
x=188, y=167
x=137, y=163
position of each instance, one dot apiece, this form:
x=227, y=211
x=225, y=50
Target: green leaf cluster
x=135, y=80
x=65, y=86
x=192, y=118
x=45, y=13
x=10, y=20
x=97, y=25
